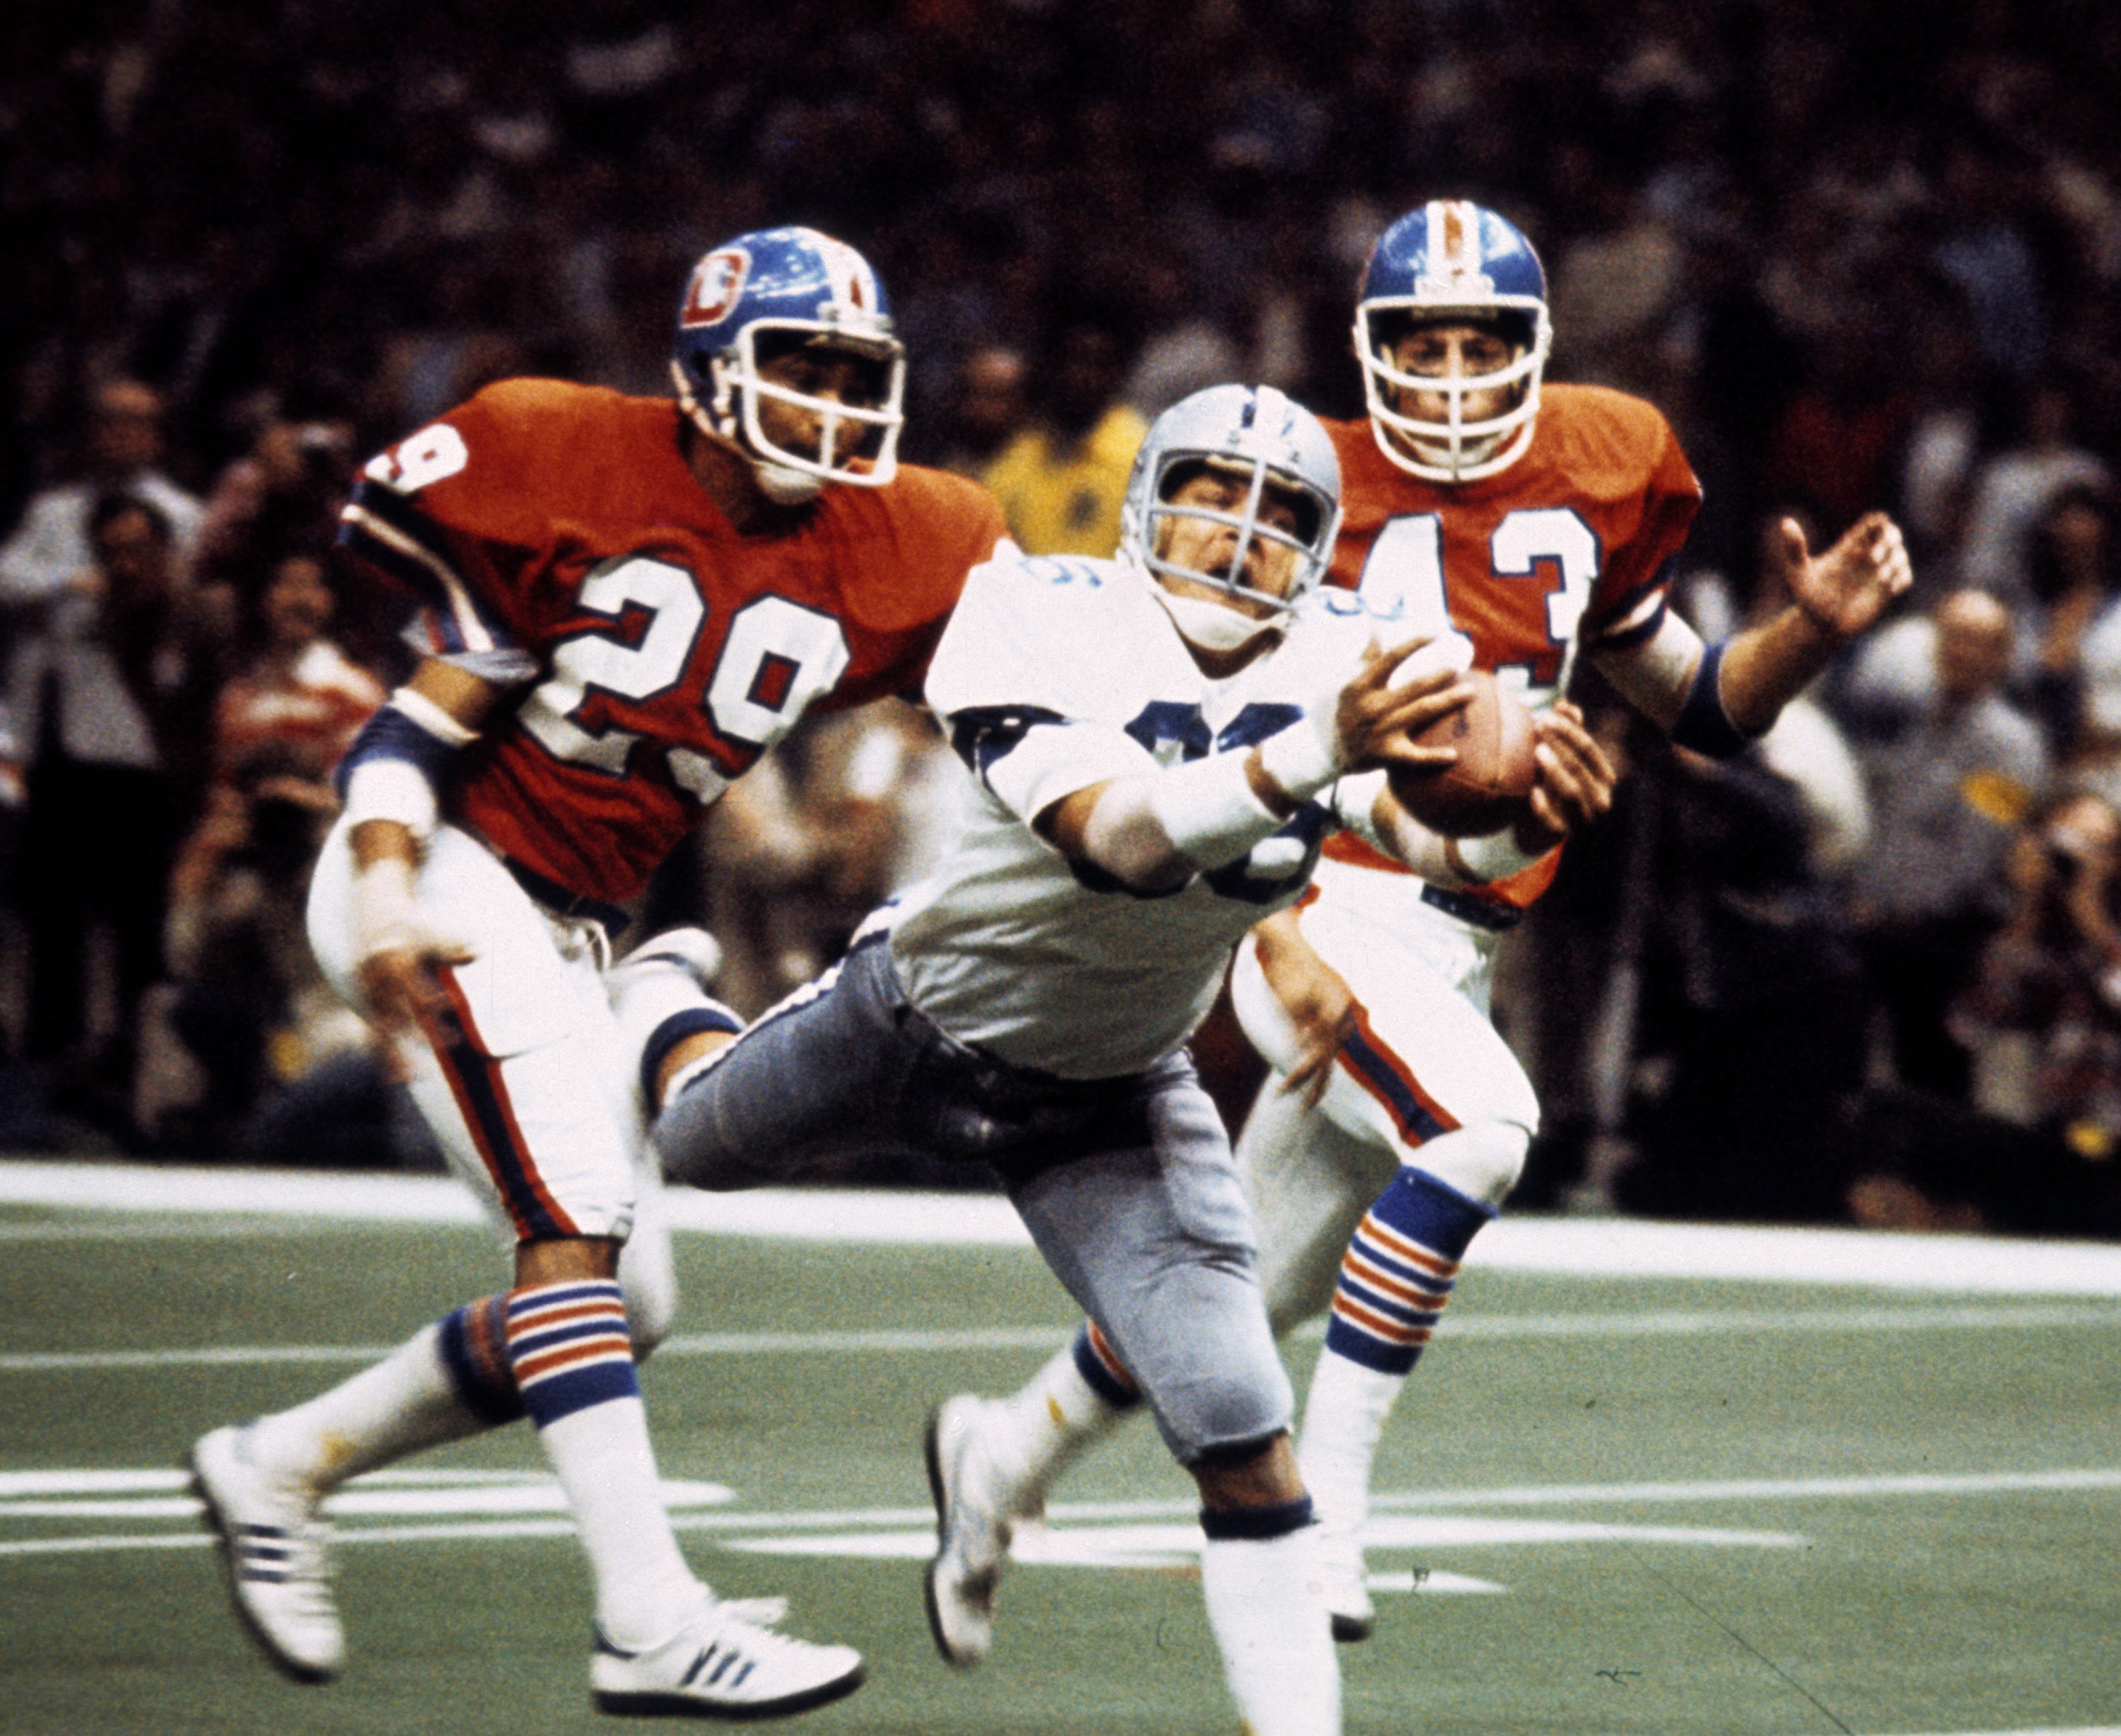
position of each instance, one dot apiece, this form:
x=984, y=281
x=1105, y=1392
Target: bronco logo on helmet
x=717, y=286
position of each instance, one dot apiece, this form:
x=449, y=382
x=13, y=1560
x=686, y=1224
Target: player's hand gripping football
x=1845, y=590
x=1383, y=710
x=1575, y=778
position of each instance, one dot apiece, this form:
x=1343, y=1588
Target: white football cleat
x=724, y=1663
x=274, y=1547
x=973, y=1526
x=1340, y=1555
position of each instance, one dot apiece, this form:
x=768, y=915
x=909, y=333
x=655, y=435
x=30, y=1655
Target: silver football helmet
x=1265, y=437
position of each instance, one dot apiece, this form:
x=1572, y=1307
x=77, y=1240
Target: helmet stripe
x=1453, y=256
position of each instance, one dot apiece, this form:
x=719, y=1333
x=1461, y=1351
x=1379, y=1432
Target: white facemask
x=783, y=486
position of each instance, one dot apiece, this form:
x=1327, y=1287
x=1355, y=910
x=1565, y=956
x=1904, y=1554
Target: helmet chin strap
x=1213, y=626
x=783, y=486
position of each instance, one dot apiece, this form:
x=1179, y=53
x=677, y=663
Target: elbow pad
x=1703, y=726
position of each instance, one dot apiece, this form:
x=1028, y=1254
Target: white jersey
x=1055, y=674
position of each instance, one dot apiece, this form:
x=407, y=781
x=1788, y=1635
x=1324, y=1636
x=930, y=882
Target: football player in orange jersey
x=624, y=602
x=1537, y=521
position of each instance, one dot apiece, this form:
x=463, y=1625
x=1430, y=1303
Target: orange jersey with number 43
x=554, y=535
x=1569, y=545
x=1569, y=548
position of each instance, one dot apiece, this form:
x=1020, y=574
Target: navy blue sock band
x=1254, y=1525
x=673, y=1031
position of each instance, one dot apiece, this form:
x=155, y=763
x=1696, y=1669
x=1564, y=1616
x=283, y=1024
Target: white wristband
x=1304, y=757
x=393, y=790
x=1494, y=857
x=1208, y=809
x=386, y=913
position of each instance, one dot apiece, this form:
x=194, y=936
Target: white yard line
x=1590, y=1247
x=158, y=1496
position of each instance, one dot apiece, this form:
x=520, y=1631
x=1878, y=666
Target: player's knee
x=1249, y=1476
x=1230, y=1413
x=1482, y=1160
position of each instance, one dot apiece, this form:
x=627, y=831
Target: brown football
x=1487, y=787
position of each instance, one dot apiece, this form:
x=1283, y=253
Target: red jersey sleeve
x=460, y=514
x=1643, y=497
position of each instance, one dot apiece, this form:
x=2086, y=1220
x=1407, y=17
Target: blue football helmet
x=1262, y=435
x=756, y=298
x=1452, y=261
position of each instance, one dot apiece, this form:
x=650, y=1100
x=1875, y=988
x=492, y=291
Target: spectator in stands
x=249, y=1002
x=296, y=689
x=2073, y=683
x=1060, y=479
x=2032, y=1152
x=286, y=491
x=1945, y=793
x=52, y=547
x=985, y=411
x=110, y=686
x=2012, y=489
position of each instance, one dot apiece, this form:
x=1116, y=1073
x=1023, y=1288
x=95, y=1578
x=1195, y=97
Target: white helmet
x=1255, y=431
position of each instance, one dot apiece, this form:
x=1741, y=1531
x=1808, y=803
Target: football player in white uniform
x=1163, y=742
x=1537, y=521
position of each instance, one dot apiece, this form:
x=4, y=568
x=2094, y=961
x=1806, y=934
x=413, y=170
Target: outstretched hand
x=1844, y=590
x=400, y=952
x=1320, y=1004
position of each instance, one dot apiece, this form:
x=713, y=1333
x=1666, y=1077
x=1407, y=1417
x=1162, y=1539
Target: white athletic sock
x=1036, y=1433
x=402, y=1405
x=644, y=1588
x=1266, y=1607
x=568, y=1346
x=1344, y=1419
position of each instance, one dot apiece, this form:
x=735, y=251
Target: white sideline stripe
x=1589, y=1247
x=1749, y=1323
x=922, y=1518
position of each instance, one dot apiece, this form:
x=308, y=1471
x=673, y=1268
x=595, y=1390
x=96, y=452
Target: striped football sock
x=1395, y=1280
x=1070, y=1404
x=573, y=1364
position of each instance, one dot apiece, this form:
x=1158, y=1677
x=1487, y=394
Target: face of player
x=1207, y=545
x=1453, y=351
x=835, y=376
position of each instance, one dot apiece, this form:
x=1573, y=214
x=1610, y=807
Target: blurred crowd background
x=1862, y=254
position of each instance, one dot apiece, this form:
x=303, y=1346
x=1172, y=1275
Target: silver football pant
x=1127, y=1185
